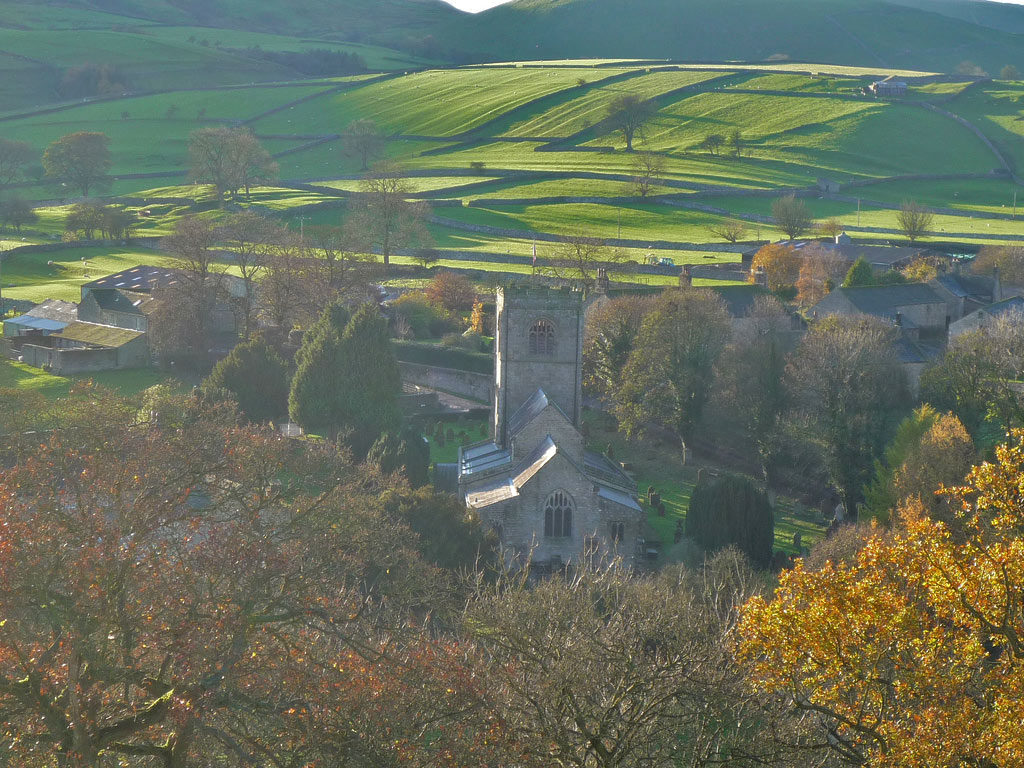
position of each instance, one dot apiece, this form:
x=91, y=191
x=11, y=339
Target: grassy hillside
x=836, y=31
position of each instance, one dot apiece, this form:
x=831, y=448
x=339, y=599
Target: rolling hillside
x=872, y=32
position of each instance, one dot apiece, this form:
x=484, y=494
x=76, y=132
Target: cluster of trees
x=88, y=218
x=183, y=588
x=676, y=362
x=316, y=62
x=229, y=159
x=91, y=79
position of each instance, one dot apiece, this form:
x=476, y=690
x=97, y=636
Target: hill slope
x=872, y=33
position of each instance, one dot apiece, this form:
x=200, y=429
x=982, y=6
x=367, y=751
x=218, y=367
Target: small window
x=558, y=515
x=618, y=531
x=542, y=338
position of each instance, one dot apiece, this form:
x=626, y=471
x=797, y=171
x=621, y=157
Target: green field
x=22, y=377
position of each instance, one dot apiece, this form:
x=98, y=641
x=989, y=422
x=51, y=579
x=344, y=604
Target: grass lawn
x=659, y=465
x=131, y=381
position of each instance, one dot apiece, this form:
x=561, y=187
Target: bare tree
x=629, y=113
x=646, y=167
x=229, y=159
x=729, y=230
x=81, y=160
x=363, y=139
x=791, y=215
x=252, y=240
x=913, y=219
x=182, y=322
x=579, y=256
x=712, y=143
x=830, y=228
x=383, y=217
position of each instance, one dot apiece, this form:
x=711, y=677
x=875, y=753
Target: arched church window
x=542, y=338
x=558, y=515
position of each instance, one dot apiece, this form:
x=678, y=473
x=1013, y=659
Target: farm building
x=889, y=88
x=84, y=347
x=534, y=483
x=43, y=319
x=965, y=293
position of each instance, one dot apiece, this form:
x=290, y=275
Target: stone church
x=534, y=483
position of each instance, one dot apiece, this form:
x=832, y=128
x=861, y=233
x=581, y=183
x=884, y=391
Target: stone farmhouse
x=914, y=307
x=986, y=316
x=534, y=483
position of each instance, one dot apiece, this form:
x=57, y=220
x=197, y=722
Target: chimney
x=760, y=277
x=898, y=319
x=601, y=285
x=685, y=277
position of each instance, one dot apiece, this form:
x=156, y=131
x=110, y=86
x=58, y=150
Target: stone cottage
x=534, y=483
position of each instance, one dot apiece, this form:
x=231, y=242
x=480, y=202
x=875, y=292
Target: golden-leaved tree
x=911, y=655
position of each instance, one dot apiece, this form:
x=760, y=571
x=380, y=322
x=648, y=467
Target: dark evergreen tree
x=257, y=377
x=313, y=400
x=406, y=451
x=370, y=384
x=732, y=510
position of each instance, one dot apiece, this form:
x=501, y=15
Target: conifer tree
x=312, y=402
x=257, y=377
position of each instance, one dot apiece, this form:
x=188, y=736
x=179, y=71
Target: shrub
x=426, y=318
x=732, y=509
x=257, y=378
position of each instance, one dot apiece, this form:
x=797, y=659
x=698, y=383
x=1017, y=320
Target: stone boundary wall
x=473, y=386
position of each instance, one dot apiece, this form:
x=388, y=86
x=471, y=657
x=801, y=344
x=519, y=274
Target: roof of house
x=880, y=300
x=98, y=335
x=964, y=286
x=508, y=486
x=54, y=309
x=882, y=256
x=739, y=299
x=1014, y=304
x=141, y=279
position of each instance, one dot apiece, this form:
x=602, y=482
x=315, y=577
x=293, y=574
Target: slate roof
x=54, y=309
x=964, y=286
x=619, y=498
x=527, y=412
x=98, y=335
x=483, y=457
x=115, y=300
x=879, y=300
x=140, y=279
x=1014, y=304
x=739, y=299
x=879, y=256
x=508, y=487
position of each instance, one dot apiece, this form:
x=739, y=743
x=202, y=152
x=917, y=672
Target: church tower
x=538, y=343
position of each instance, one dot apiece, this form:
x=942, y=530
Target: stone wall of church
x=549, y=422
x=520, y=521
x=518, y=371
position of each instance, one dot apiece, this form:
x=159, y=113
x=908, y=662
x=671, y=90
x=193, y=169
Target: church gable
x=538, y=419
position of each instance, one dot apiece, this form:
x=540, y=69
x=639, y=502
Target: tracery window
x=542, y=338
x=558, y=515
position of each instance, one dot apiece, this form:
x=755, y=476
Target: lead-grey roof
x=485, y=456
x=963, y=286
x=599, y=468
x=508, y=486
x=880, y=300
x=1014, y=304
x=527, y=412
x=619, y=498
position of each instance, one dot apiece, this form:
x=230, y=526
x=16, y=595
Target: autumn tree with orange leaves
x=177, y=588
x=781, y=265
x=913, y=654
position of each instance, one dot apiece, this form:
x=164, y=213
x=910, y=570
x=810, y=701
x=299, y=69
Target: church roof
x=619, y=498
x=530, y=410
x=508, y=487
x=482, y=457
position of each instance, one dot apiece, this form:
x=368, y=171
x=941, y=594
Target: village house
x=986, y=316
x=914, y=307
x=967, y=293
x=534, y=483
